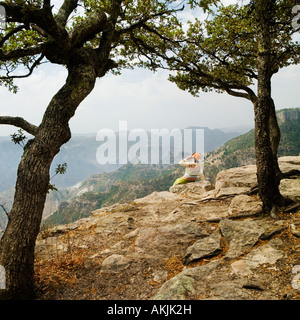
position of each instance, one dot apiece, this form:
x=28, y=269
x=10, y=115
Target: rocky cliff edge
x=195, y=242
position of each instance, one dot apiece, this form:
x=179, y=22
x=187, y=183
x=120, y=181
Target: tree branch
x=142, y=23
x=20, y=123
x=6, y=212
x=11, y=33
x=42, y=17
x=65, y=11
x=86, y=30
x=237, y=93
x=30, y=70
x=20, y=53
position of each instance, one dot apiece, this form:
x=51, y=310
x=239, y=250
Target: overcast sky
x=145, y=99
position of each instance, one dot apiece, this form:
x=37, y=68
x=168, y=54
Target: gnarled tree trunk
x=265, y=118
x=18, y=242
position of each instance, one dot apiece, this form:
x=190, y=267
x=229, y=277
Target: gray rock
x=61, y=229
x=266, y=254
x=153, y=238
x=289, y=163
x=243, y=205
x=207, y=247
x=242, y=179
x=186, y=283
x=191, y=230
x=228, y=290
x=115, y=263
x=290, y=188
x=240, y=235
x=131, y=234
x=294, y=230
x=176, y=288
x=236, y=180
x=156, y=197
x=145, y=237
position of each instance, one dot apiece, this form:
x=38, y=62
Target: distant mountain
x=80, y=155
x=134, y=181
x=128, y=182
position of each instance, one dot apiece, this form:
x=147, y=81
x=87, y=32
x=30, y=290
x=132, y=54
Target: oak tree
x=237, y=50
x=88, y=38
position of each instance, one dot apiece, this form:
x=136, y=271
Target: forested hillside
x=240, y=151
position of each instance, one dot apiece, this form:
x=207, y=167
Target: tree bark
x=275, y=136
x=266, y=149
x=18, y=242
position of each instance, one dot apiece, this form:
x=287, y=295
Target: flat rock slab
x=243, y=235
x=196, y=188
x=290, y=188
x=236, y=180
x=158, y=197
x=203, y=248
x=242, y=179
x=266, y=254
x=149, y=239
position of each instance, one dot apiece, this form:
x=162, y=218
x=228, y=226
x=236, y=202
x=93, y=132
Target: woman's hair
x=196, y=156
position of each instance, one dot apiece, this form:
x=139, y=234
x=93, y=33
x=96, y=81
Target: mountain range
x=134, y=181
x=120, y=184
x=80, y=155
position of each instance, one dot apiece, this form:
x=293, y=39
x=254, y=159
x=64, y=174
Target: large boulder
x=243, y=205
x=242, y=179
x=290, y=188
x=236, y=180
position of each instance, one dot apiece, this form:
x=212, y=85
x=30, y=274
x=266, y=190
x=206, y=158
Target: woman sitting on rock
x=193, y=171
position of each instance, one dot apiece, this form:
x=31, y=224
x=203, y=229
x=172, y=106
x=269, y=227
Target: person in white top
x=193, y=171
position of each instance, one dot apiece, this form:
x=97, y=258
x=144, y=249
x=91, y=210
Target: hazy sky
x=145, y=99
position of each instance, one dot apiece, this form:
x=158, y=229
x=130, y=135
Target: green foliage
x=240, y=143
x=19, y=138
x=220, y=53
x=25, y=42
x=290, y=141
x=60, y=169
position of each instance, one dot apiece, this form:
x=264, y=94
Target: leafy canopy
x=220, y=53
x=37, y=32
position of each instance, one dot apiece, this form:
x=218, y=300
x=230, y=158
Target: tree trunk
x=275, y=136
x=18, y=242
x=266, y=150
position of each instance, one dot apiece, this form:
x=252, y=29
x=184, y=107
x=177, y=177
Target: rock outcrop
x=196, y=242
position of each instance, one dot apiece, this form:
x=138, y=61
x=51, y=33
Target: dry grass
x=50, y=274
x=174, y=266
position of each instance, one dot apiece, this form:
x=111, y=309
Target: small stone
x=115, y=263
